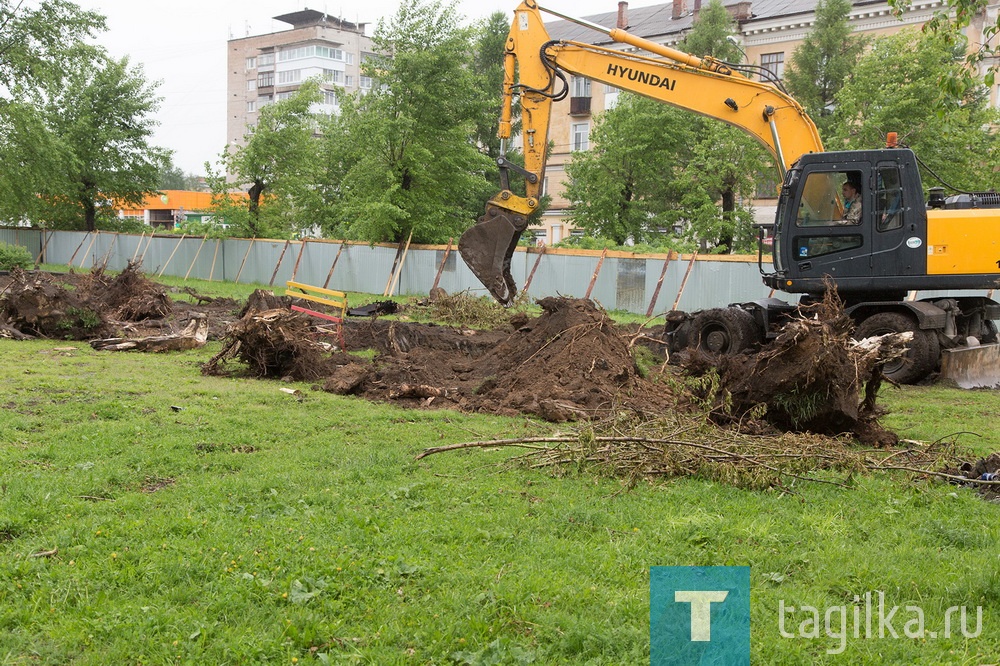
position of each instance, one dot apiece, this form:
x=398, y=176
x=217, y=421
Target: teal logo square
x=699, y=615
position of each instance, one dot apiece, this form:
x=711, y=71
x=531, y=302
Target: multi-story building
x=270, y=67
x=769, y=31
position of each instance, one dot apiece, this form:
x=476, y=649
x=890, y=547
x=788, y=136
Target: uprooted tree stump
x=128, y=296
x=273, y=343
x=194, y=336
x=813, y=377
x=34, y=305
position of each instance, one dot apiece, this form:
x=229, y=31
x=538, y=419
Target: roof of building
x=655, y=21
x=309, y=17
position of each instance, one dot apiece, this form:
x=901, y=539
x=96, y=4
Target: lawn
x=150, y=515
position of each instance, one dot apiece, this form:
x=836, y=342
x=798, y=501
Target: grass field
x=149, y=515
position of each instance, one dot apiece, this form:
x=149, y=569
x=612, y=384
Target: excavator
x=899, y=244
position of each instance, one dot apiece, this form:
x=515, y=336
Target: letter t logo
x=701, y=610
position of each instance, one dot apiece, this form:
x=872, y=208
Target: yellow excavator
x=898, y=245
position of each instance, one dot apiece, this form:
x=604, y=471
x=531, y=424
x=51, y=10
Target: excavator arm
x=535, y=70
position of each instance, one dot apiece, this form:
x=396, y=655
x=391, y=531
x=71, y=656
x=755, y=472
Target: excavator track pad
x=487, y=248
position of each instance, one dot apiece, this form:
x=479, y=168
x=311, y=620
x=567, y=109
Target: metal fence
x=624, y=281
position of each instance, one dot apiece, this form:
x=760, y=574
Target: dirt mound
x=570, y=362
x=34, y=304
x=128, y=296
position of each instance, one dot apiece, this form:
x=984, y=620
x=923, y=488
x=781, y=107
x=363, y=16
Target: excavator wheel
x=920, y=359
x=724, y=331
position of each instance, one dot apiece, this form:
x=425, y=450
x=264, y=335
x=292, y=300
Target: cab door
x=824, y=241
x=899, y=224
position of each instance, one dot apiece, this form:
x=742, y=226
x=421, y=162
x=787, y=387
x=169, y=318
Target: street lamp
x=735, y=42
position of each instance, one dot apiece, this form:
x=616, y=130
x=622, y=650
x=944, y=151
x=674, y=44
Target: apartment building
x=265, y=68
x=769, y=31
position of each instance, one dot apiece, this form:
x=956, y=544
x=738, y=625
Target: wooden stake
x=204, y=239
x=392, y=272
x=659, y=283
x=437, y=278
x=298, y=259
x=142, y=237
x=334, y=264
x=593, y=279
x=41, y=253
x=211, y=272
x=82, y=241
x=402, y=260
x=278, y=265
x=148, y=243
x=183, y=236
x=684, y=281
x=531, y=275
x=92, y=241
x=107, y=255
x=243, y=263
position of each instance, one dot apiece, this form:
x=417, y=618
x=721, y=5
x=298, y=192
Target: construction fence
x=617, y=280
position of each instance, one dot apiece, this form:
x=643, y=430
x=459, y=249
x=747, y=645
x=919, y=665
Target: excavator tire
x=724, y=331
x=920, y=359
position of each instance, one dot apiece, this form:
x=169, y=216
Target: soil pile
x=35, y=305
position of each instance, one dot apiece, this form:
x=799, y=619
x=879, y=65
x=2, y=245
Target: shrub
x=14, y=255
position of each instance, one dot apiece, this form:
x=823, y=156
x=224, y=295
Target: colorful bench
x=328, y=297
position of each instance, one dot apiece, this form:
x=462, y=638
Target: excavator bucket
x=487, y=248
x=972, y=367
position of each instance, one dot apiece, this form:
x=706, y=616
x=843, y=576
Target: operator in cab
x=852, y=202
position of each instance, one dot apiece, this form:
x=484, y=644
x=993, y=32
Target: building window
x=330, y=97
x=774, y=63
x=334, y=75
x=251, y=106
x=348, y=80
x=580, y=136
x=265, y=59
x=283, y=96
x=365, y=82
x=251, y=85
x=251, y=63
x=581, y=86
x=265, y=79
x=291, y=76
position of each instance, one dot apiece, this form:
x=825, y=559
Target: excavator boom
x=534, y=73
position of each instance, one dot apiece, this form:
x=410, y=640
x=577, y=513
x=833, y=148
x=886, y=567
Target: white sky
x=182, y=44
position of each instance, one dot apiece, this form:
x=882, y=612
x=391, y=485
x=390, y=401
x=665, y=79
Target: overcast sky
x=182, y=44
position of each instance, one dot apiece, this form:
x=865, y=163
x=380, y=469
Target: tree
x=895, y=89
x=623, y=187
x=103, y=119
x=824, y=61
x=38, y=45
x=952, y=25
x=276, y=165
x=724, y=160
x=402, y=158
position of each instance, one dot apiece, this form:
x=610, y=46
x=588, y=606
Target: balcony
x=579, y=106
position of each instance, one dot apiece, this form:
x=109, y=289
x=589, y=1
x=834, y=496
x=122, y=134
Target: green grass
x=254, y=527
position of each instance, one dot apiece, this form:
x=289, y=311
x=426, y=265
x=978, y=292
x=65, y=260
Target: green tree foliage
x=723, y=161
x=824, y=61
x=39, y=44
x=173, y=178
x=895, y=89
x=102, y=117
x=952, y=24
x=276, y=165
x=625, y=187
x=403, y=157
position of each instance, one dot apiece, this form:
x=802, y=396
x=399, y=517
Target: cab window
x=822, y=202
